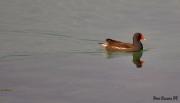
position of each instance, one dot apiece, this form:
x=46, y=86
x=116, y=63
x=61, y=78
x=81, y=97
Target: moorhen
x=114, y=45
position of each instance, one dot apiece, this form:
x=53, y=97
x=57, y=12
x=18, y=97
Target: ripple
x=10, y=56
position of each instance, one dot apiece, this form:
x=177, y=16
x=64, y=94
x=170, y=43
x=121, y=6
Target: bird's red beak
x=142, y=37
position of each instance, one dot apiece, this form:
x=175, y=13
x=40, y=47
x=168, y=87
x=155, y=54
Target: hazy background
x=49, y=51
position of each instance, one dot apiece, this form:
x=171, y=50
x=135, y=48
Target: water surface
x=49, y=51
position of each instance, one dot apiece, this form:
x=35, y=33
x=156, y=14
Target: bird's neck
x=138, y=44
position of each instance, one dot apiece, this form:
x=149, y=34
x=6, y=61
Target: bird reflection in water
x=136, y=56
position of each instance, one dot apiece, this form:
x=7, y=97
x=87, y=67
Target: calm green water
x=49, y=51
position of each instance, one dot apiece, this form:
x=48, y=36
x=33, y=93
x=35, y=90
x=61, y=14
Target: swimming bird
x=115, y=45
